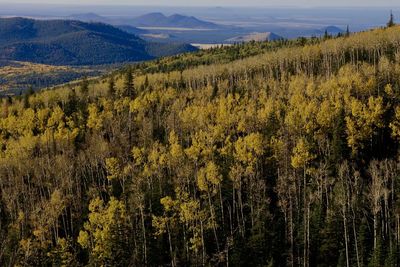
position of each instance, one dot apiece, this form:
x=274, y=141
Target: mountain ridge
x=70, y=42
x=158, y=19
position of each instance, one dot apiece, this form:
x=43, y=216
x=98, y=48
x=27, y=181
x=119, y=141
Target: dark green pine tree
x=326, y=34
x=347, y=31
x=72, y=103
x=27, y=95
x=129, y=88
x=391, y=20
x=146, y=82
x=84, y=86
x=111, y=87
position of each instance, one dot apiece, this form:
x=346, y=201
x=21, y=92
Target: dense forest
x=285, y=156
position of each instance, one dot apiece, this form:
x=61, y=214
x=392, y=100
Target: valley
x=18, y=77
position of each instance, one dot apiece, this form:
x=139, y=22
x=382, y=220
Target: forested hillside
x=285, y=156
x=69, y=42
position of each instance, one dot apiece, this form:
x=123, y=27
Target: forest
x=284, y=155
x=76, y=43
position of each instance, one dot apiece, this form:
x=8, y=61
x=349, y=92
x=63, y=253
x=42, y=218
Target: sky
x=249, y=3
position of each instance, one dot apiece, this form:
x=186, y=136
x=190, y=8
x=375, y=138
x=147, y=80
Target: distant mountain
x=256, y=36
x=87, y=17
x=93, y=17
x=67, y=42
x=332, y=30
x=177, y=21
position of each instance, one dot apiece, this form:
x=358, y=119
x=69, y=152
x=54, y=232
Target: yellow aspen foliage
x=236, y=172
x=278, y=147
x=56, y=119
x=267, y=110
x=158, y=156
x=114, y=168
x=247, y=116
x=160, y=224
x=144, y=102
x=95, y=120
x=58, y=129
x=190, y=215
x=202, y=146
x=201, y=115
x=8, y=126
x=301, y=154
x=42, y=116
x=189, y=211
x=27, y=122
x=389, y=90
x=46, y=218
x=56, y=206
x=107, y=104
x=21, y=148
x=66, y=136
x=301, y=115
x=225, y=111
x=104, y=233
x=186, y=211
x=62, y=255
x=228, y=148
x=176, y=150
x=374, y=112
x=326, y=115
x=359, y=81
x=395, y=124
x=248, y=149
x=153, y=162
x=122, y=105
x=209, y=176
x=365, y=119
x=138, y=155
x=135, y=105
x=21, y=125
x=167, y=96
x=168, y=203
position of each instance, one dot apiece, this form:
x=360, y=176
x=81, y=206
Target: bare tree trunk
x=213, y=220
x=375, y=230
x=346, y=241
x=144, y=235
x=356, y=241
x=171, y=251
x=291, y=232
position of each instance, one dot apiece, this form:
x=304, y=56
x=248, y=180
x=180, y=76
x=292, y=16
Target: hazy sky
x=303, y=3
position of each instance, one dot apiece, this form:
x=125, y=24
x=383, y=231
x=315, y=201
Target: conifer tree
x=129, y=87
x=391, y=20
x=84, y=86
x=111, y=87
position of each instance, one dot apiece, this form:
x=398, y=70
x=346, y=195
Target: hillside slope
x=65, y=42
x=284, y=154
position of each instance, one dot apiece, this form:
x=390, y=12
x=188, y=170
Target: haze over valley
x=213, y=24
